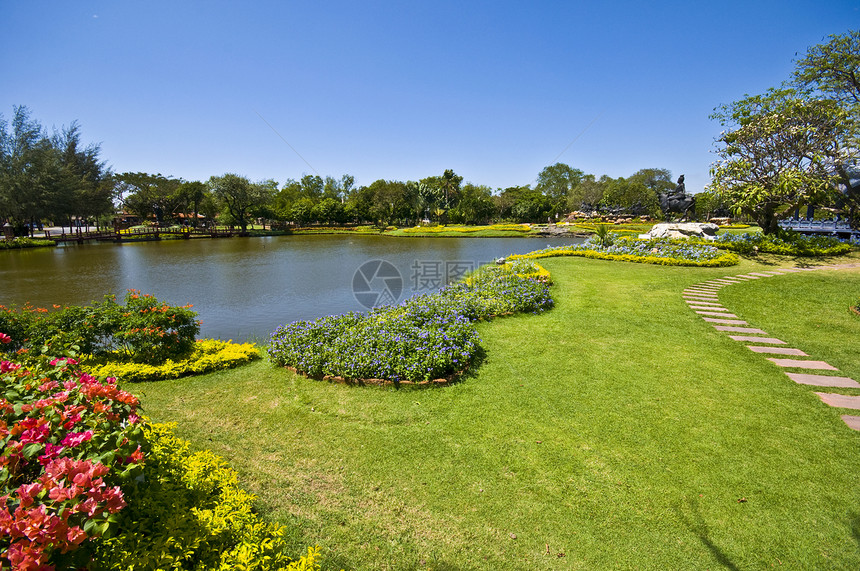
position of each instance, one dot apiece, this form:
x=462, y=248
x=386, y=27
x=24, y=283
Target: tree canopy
x=795, y=145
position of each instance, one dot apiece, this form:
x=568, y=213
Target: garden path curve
x=703, y=299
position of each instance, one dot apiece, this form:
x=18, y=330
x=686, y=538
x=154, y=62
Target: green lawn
x=617, y=431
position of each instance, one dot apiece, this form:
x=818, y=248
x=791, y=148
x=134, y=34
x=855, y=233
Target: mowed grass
x=617, y=431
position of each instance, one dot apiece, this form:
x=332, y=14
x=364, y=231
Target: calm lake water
x=244, y=288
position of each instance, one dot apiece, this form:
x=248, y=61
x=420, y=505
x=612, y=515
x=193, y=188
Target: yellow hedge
x=209, y=355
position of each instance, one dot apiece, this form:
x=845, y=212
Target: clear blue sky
x=495, y=90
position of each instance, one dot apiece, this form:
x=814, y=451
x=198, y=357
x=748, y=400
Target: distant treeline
x=54, y=178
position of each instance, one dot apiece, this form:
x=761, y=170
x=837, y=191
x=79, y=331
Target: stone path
x=704, y=300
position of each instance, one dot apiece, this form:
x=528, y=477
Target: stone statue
x=677, y=201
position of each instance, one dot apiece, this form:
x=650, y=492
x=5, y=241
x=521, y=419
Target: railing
x=149, y=233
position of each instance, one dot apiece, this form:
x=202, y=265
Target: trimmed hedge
x=208, y=355
x=785, y=243
x=653, y=251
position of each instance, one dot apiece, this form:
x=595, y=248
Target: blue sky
x=401, y=90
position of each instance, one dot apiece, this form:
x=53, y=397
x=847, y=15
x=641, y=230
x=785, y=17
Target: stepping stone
x=840, y=401
x=777, y=351
x=761, y=274
x=853, y=422
x=701, y=299
x=823, y=380
x=747, y=276
x=701, y=290
x=801, y=364
x=739, y=329
x=774, y=272
x=724, y=282
x=726, y=321
x=751, y=339
x=732, y=279
x=700, y=294
x=793, y=270
x=718, y=314
x=692, y=302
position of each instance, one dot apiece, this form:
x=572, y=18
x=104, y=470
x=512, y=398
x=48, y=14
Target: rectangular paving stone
x=853, y=422
x=790, y=270
x=752, y=339
x=701, y=290
x=739, y=329
x=692, y=302
x=707, y=295
x=725, y=321
x=802, y=364
x=718, y=314
x=760, y=274
x=840, y=401
x=823, y=380
x=777, y=351
x=747, y=276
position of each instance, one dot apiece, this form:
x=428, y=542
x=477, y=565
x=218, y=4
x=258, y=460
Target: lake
x=244, y=288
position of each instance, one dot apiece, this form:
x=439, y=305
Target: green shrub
x=144, y=330
x=785, y=243
x=18, y=243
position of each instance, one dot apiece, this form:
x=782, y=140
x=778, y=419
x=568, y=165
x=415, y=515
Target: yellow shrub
x=209, y=355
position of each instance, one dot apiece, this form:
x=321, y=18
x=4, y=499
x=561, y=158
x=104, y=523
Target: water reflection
x=241, y=287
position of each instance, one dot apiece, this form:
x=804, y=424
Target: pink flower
x=76, y=535
x=27, y=491
x=6, y=366
x=5, y=338
x=77, y=438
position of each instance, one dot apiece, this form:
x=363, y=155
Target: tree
x=48, y=177
x=833, y=69
x=240, y=199
x=443, y=191
x=782, y=151
x=192, y=194
x=87, y=178
x=150, y=195
x=557, y=182
x=476, y=205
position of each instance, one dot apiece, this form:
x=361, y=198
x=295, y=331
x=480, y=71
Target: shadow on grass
x=854, y=520
x=697, y=525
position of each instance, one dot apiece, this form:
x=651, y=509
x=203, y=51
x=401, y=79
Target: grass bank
x=618, y=430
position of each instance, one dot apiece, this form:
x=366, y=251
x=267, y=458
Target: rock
x=682, y=230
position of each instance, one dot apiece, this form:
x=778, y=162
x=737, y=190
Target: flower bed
x=208, y=355
x=785, y=243
x=425, y=338
x=69, y=441
x=87, y=483
x=653, y=251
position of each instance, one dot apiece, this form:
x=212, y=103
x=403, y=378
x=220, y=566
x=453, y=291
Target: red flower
x=5, y=338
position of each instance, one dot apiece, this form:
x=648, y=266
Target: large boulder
x=706, y=231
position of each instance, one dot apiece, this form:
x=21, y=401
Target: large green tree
x=241, y=200
x=43, y=177
x=150, y=196
x=795, y=146
x=778, y=154
x=558, y=182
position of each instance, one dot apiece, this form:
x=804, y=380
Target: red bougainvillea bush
x=68, y=442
